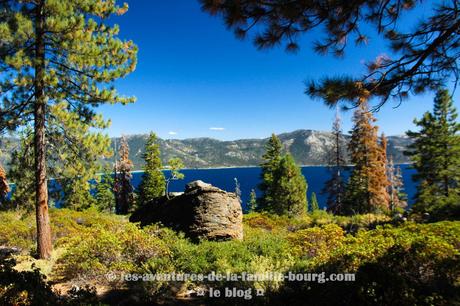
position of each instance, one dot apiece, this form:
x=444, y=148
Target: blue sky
x=195, y=79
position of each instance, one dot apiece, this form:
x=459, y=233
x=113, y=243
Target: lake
x=249, y=178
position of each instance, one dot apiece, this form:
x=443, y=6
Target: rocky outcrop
x=201, y=212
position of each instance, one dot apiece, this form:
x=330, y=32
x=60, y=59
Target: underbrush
x=415, y=264
x=98, y=250
x=410, y=263
x=316, y=218
x=18, y=228
x=32, y=288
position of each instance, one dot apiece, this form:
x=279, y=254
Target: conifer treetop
x=82, y=57
x=423, y=58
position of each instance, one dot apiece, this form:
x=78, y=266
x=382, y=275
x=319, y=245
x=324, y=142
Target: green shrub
x=415, y=264
x=349, y=223
x=69, y=223
x=407, y=264
x=260, y=252
x=271, y=222
x=369, y=246
x=17, y=229
x=317, y=243
x=259, y=220
x=98, y=250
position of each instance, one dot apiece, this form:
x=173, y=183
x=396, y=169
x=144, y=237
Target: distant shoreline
x=245, y=167
x=216, y=168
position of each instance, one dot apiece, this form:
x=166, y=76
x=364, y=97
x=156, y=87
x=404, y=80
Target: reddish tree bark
x=44, y=246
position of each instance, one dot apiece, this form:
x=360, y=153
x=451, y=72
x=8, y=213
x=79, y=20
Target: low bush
x=272, y=222
x=406, y=264
x=98, y=250
x=17, y=229
x=70, y=223
x=415, y=264
x=260, y=252
x=317, y=244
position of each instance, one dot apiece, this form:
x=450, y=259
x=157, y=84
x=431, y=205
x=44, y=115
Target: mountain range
x=308, y=147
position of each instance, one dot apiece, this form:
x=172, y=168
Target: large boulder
x=201, y=212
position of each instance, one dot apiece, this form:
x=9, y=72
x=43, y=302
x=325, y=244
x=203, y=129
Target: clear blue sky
x=195, y=79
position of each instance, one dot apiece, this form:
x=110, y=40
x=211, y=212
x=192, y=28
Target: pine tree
x=175, y=165
x=271, y=160
x=105, y=198
x=75, y=178
x=314, y=202
x=398, y=199
x=290, y=189
x=423, y=55
x=238, y=190
x=252, y=204
x=21, y=172
x=124, y=191
x=365, y=189
x=72, y=167
x=153, y=180
x=380, y=183
x=335, y=186
x=54, y=51
x=435, y=153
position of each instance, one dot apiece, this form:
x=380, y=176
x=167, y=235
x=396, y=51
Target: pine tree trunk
x=338, y=195
x=446, y=165
x=44, y=245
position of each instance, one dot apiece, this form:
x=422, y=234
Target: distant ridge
x=308, y=147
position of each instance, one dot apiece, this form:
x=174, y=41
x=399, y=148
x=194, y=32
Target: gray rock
x=175, y=194
x=201, y=212
x=197, y=185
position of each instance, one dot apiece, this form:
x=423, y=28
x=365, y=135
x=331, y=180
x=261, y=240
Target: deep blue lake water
x=249, y=178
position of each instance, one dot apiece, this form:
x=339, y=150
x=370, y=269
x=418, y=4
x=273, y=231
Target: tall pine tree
x=55, y=51
x=271, y=160
x=336, y=160
x=105, y=197
x=380, y=181
x=124, y=191
x=289, y=189
x=252, y=203
x=314, y=205
x=153, y=180
x=366, y=189
x=435, y=153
